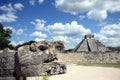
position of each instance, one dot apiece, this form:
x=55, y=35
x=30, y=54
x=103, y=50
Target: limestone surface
x=38, y=59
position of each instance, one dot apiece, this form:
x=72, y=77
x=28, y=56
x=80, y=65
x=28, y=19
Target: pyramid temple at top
x=90, y=44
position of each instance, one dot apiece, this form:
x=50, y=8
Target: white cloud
x=39, y=39
x=97, y=15
x=11, y=28
x=32, y=2
x=18, y=6
x=69, y=42
x=9, y=17
x=17, y=32
x=37, y=34
x=39, y=24
x=110, y=35
x=8, y=8
x=95, y=9
x=15, y=43
x=67, y=32
x=9, y=12
x=74, y=6
x=68, y=29
x=40, y=1
x=101, y=24
x=82, y=17
x=21, y=42
x=60, y=31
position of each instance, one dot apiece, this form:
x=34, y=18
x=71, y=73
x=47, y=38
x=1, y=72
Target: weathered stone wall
x=7, y=78
x=90, y=57
x=7, y=63
x=38, y=59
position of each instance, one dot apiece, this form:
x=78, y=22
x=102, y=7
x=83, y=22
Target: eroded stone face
x=7, y=63
x=36, y=59
x=39, y=59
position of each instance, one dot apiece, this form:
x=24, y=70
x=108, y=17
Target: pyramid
x=90, y=44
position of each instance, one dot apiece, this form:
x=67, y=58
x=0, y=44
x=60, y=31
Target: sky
x=62, y=20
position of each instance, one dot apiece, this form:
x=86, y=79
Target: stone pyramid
x=90, y=44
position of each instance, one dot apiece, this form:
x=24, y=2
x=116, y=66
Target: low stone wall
x=7, y=78
x=90, y=57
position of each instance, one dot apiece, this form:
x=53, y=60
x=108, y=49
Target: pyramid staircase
x=90, y=44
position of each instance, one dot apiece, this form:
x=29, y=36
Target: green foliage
x=5, y=34
x=11, y=47
x=45, y=77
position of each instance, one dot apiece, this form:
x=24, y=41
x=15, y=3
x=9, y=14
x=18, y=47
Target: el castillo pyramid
x=90, y=44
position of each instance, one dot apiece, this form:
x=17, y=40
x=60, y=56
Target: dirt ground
x=75, y=72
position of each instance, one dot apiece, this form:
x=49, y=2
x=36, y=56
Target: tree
x=5, y=34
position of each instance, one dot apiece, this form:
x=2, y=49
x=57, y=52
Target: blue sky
x=66, y=20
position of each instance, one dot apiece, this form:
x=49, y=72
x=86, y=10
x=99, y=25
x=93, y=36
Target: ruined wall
x=37, y=59
x=7, y=63
x=8, y=60
x=90, y=57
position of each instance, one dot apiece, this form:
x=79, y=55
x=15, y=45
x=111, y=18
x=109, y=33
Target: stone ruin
x=7, y=62
x=37, y=59
x=58, y=46
x=89, y=44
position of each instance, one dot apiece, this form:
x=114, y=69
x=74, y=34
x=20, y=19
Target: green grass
x=45, y=77
x=115, y=65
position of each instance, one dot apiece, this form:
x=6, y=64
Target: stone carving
x=7, y=63
x=39, y=59
x=58, y=46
